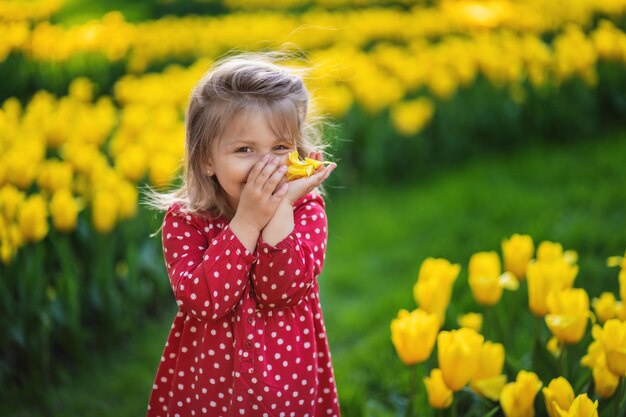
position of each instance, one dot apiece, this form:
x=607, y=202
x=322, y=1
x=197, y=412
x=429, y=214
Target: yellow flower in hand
x=299, y=169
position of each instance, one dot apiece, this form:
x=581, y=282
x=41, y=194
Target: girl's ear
x=208, y=168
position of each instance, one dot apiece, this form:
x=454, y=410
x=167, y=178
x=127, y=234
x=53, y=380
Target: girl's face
x=246, y=139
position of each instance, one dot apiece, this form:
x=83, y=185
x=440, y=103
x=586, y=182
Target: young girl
x=243, y=248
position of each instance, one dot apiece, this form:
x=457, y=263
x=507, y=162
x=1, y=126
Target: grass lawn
x=574, y=194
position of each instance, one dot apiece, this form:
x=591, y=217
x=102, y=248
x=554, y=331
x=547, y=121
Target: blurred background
x=454, y=123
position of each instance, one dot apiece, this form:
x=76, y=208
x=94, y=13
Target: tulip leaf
x=492, y=412
x=583, y=380
x=544, y=363
x=621, y=398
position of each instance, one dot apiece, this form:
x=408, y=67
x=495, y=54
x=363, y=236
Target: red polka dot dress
x=249, y=337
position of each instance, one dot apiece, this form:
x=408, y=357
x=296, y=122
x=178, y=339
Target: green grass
x=574, y=194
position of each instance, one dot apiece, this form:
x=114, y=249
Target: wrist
x=246, y=232
x=243, y=224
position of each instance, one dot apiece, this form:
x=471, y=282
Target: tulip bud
x=33, y=219
x=459, y=355
x=558, y=392
x=439, y=395
x=484, y=278
x=413, y=335
x=471, y=320
x=64, y=210
x=488, y=379
x=518, y=398
x=569, y=312
x=104, y=211
x=517, y=251
x=433, y=289
x=604, y=306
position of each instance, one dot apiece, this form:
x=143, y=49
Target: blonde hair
x=234, y=84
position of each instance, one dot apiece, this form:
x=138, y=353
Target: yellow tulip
x=488, y=379
x=617, y=261
x=554, y=346
x=413, y=335
x=55, y=175
x=559, y=393
x=10, y=200
x=581, y=407
x=545, y=277
x=605, y=382
x=517, y=398
x=484, y=278
x=10, y=240
x=491, y=361
x=471, y=320
x=33, y=219
x=620, y=310
x=490, y=387
x=410, y=117
x=459, y=354
x=299, y=169
x=132, y=162
x=433, y=288
x=439, y=395
x=613, y=339
x=549, y=251
x=162, y=169
x=517, y=251
x=127, y=198
x=605, y=306
x=81, y=89
x=569, y=312
x=64, y=210
x=104, y=211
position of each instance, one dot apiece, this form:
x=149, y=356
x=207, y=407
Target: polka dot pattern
x=249, y=337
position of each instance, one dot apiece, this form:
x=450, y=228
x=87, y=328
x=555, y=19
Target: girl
x=243, y=248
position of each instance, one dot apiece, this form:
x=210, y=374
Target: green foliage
x=73, y=293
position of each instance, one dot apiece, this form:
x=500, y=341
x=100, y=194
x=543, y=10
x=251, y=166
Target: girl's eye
x=243, y=149
x=282, y=147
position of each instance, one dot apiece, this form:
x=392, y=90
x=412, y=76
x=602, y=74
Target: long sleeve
x=207, y=278
x=284, y=274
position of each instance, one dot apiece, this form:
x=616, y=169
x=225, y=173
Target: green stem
x=619, y=406
x=563, y=359
x=453, y=407
x=412, y=390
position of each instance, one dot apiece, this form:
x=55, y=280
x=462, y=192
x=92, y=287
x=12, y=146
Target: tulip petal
x=300, y=169
x=509, y=281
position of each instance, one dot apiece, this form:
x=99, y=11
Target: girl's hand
x=262, y=193
x=302, y=186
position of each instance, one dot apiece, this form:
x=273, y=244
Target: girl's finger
x=257, y=167
x=272, y=182
x=266, y=172
x=280, y=193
